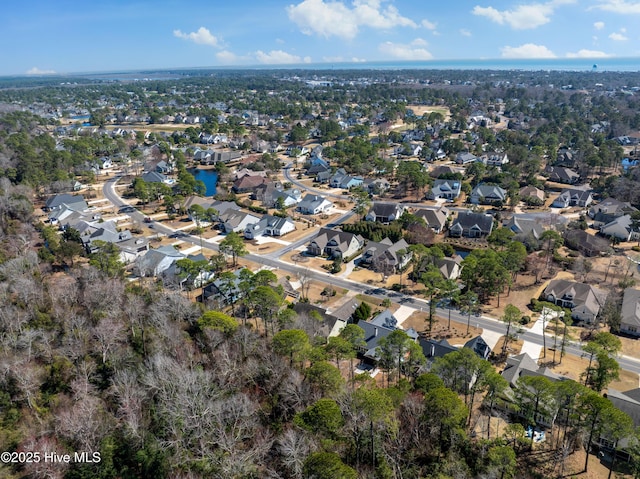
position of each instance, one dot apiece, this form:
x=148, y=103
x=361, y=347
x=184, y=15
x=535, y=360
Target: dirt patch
x=455, y=335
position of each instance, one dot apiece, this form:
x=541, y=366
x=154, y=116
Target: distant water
x=612, y=64
x=208, y=177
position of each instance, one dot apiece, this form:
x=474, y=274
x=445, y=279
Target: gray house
x=484, y=194
x=471, y=225
x=630, y=314
x=385, y=212
x=584, y=300
x=335, y=243
x=447, y=189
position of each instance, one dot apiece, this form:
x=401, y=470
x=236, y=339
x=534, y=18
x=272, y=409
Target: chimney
x=375, y=332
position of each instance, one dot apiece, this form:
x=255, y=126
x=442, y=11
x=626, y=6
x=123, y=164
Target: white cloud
x=279, y=57
x=335, y=18
x=413, y=51
x=227, y=57
x=598, y=25
x=528, y=50
x=202, y=37
x=522, y=17
x=429, y=25
x=618, y=6
x=588, y=54
x=619, y=36
x=465, y=33
x=38, y=71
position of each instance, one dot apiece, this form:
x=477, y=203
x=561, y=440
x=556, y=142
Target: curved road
x=272, y=261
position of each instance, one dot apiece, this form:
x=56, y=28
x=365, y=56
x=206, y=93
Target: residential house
x=324, y=176
x=485, y=194
x=156, y=261
x=386, y=257
x=443, y=170
x=316, y=169
x=385, y=212
x=446, y=189
x=204, y=157
x=465, y=158
x=495, y=159
x=269, y=226
x=314, y=204
x=573, y=197
x=585, y=243
x=155, y=177
x=584, y=300
x=335, y=243
x=247, y=183
x=265, y=192
x=450, y=268
x=236, y=221
x=434, y=348
x=436, y=219
x=524, y=365
x=530, y=194
x=223, y=207
x=132, y=248
x=379, y=327
x=566, y=157
x=560, y=174
x=376, y=186
x=523, y=226
x=471, y=225
x=74, y=202
x=479, y=346
x=328, y=326
x=226, y=156
x=608, y=210
x=630, y=313
x=622, y=228
x=345, y=182
x=222, y=291
x=247, y=172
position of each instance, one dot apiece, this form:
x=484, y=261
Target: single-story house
x=531, y=193
x=379, y=327
x=74, y=202
x=335, y=243
x=247, y=183
x=269, y=226
x=523, y=226
x=156, y=261
x=560, y=174
x=630, y=313
x=447, y=189
x=221, y=291
x=314, y=204
x=471, y=225
x=585, y=243
x=573, y=197
x=385, y=212
x=584, y=300
x=450, y=268
x=485, y=194
x=622, y=228
x=465, y=158
x=436, y=219
x=235, y=220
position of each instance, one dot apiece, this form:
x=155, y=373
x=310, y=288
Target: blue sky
x=66, y=36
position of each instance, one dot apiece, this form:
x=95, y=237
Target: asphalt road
x=272, y=261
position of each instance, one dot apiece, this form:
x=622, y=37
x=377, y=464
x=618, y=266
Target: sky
x=70, y=36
